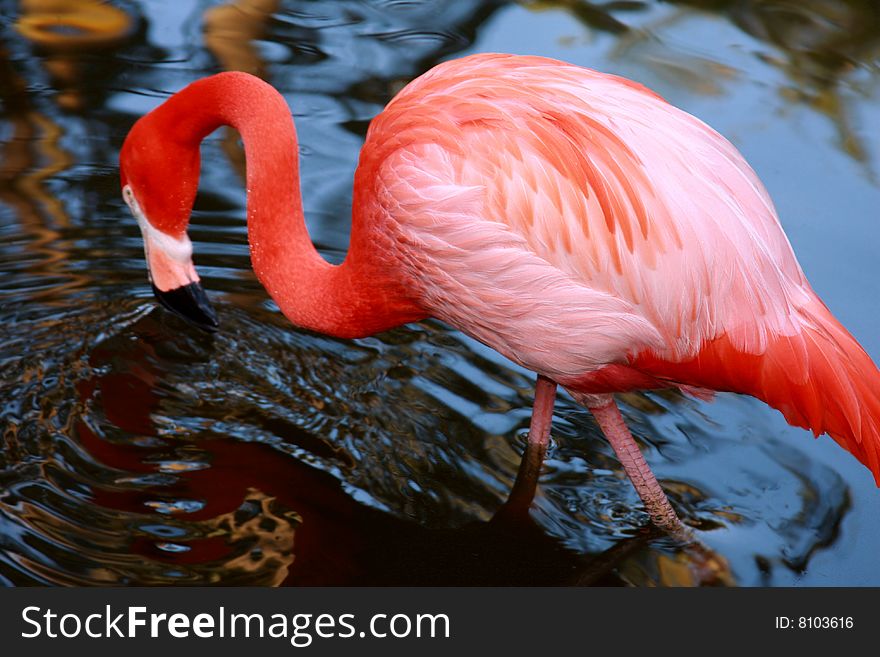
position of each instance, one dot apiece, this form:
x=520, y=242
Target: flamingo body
x=573, y=221
x=593, y=233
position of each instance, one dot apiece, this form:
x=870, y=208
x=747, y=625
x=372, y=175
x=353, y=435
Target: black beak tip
x=191, y=303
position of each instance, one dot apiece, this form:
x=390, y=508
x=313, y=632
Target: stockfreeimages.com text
x=300, y=629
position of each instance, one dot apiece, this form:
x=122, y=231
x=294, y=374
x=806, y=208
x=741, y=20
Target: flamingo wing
x=576, y=221
x=604, y=181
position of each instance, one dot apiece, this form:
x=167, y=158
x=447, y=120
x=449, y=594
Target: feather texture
x=590, y=231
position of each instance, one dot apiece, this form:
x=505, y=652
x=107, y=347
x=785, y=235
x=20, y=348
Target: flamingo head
x=159, y=181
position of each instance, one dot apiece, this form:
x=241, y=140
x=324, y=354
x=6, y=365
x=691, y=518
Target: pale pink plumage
x=574, y=221
x=572, y=206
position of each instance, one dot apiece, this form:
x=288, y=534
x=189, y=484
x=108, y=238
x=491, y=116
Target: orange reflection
x=29, y=156
x=65, y=29
x=230, y=31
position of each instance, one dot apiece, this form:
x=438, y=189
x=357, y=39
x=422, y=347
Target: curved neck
x=357, y=298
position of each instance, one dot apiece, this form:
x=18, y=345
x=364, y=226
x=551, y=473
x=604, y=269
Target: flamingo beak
x=172, y=274
x=191, y=303
x=176, y=286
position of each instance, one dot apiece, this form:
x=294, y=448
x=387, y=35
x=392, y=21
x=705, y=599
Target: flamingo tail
x=822, y=380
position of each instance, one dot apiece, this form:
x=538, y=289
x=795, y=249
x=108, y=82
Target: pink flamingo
x=573, y=221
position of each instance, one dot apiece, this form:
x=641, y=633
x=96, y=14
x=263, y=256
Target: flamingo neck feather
x=357, y=298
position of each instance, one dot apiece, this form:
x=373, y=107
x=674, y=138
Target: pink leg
x=523, y=491
x=542, y=413
x=656, y=503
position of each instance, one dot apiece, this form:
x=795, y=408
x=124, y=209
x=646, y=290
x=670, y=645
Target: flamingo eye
x=128, y=196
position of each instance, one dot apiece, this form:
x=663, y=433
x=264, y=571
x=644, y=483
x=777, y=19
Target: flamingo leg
x=542, y=415
x=523, y=491
x=637, y=469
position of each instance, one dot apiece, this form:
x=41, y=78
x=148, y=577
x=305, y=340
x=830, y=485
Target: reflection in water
x=235, y=511
x=29, y=154
x=134, y=451
x=72, y=24
x=181, y=448
x=230, y=34
x=824, y=47
x=66, y=32
x=826, y=43
x=231, y=29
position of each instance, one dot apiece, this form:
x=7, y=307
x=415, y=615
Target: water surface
x=136, y=450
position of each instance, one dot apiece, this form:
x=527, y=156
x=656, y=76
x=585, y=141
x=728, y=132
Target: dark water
x=135, y=450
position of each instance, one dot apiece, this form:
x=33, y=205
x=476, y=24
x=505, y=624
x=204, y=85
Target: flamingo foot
x=639, y=472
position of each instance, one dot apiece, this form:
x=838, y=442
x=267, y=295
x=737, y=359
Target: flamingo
x=572, y=220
